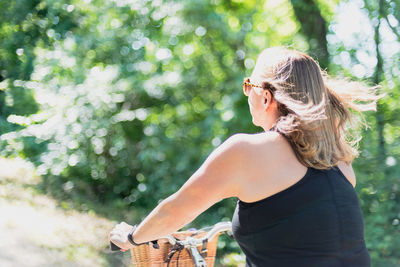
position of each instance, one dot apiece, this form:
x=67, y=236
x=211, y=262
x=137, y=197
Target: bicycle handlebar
x=190, y=241
x=217, y=228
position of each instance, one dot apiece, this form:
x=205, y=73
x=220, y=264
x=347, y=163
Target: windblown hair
x=318, y=115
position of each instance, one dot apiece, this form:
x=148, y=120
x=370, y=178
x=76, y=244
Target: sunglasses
x=247, y=85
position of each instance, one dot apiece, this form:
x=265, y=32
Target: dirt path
x=35, y=232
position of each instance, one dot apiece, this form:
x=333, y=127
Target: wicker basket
x=147, y=255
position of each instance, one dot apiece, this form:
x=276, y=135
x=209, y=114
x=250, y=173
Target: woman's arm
x=216, y=179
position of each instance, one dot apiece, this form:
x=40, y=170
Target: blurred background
x=108, y=106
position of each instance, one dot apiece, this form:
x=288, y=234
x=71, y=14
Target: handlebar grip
x=114, y=247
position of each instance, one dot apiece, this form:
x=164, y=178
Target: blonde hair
x=315, y=110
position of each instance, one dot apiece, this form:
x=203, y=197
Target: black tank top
x=317, y=222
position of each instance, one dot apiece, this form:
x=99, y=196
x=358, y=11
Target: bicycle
x=180, y=249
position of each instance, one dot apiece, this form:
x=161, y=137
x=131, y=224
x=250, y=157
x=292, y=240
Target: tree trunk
x=378, y=78
x=314, y=28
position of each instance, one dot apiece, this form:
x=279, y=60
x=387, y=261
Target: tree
x=314, y=28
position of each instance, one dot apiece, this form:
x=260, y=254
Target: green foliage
x=126, y=106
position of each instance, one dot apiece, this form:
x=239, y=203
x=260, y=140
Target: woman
x=297, y=204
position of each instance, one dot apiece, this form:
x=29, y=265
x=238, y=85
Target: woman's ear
x=267, y=98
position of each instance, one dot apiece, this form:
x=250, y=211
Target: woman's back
x=313, y=219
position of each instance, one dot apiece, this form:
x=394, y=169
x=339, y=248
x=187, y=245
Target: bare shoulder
x=254, y=139
x=243, y=146
x=269, y=166
x=253, y=148
x=348, y=172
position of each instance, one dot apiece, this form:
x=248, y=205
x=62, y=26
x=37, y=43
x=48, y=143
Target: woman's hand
x=119, y=236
